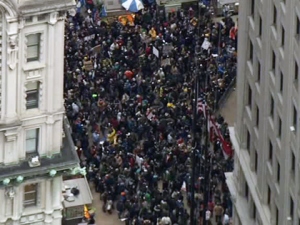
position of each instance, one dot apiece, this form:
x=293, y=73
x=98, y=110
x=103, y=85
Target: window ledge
x=269, y=166
x=273, y=28
x=31, y=112
x=33, y=66
x=277, y=188
x=31, y=210
x=278, y=139
x=281, y=51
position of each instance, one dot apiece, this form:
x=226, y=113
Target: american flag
x=96, y=16
x=227, y=149
x=201, y=104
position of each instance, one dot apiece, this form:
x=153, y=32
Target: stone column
x=16, y=206
x=57, y=200
x=48, y=203
x=10, y=85
x=10, y=147
x=57, y=217
x=49, y=81
x=57, y=193
x=59, y=67
x=2, y=209
x=49, y=130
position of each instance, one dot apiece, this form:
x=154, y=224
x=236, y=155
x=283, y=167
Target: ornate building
x=36, y=148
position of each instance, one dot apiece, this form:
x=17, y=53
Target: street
x=227, y=110
x=101, y=217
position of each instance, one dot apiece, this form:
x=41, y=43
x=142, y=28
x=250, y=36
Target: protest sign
x=155, y=52
x=88, y=65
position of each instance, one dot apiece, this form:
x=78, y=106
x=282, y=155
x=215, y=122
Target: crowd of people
x=129, y=96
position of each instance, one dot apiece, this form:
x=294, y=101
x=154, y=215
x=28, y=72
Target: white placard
x=206, y=44
x=88, y=38
x=155, y=52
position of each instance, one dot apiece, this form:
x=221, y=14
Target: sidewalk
x=228, y=109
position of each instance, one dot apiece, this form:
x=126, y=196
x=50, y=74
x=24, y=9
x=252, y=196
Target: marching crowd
x=129, y=96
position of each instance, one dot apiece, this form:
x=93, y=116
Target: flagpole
x=192, y=208
x=206, y=171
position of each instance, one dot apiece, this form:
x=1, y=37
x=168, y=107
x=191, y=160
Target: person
x=226, y=219
x=208, y=216
x=141, y=110
x=218, y=211
x=92, y=221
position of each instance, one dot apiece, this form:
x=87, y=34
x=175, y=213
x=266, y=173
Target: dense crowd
x=129, y=96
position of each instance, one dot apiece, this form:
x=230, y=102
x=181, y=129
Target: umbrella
x=133, y=5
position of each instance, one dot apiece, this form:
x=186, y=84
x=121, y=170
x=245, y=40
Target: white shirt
x=207, y=215
x=166, y=221
x=75, y=108
x=226, y=219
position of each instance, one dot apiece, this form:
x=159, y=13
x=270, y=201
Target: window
x=291, y=207
x=257, y=116
x=297, y=27
x=32, y=141
x=260, y=26
x=249, y=96
x=270, y=151
x=32, y=95
x=41, y=17
x=296, y=71
x=271, y=106
x=293, y=162
x=295, y=118
x=258, y=71
x=61, y=13
x=282, y=36
x=278, y=172
x=251, y=52
x=246, y=190
x=28, y=19
x=276, y=216
x=279, y=127
x=252, y=7
x=253, y=211
x=269, y=195
x=274, y=15
x=273, y=61
x=248, y=140
x=280, y=81
x=33, y=47
x=30, y=195
x=255, y=161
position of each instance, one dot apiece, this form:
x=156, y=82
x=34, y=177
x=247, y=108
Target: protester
x=129, y=98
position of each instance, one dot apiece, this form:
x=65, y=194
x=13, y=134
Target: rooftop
x=65, y=160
